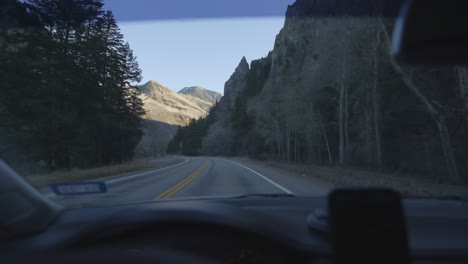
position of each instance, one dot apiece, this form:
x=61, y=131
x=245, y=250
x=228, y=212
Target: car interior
x=348, y=226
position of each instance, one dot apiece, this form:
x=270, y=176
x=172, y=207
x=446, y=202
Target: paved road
x=195, y=177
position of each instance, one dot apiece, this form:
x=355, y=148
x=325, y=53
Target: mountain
x=220, y=136
x=170, y=107
x=166, y=110
x=329, y=93
x=202, y=93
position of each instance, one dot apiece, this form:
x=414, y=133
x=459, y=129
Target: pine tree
x=71, y=80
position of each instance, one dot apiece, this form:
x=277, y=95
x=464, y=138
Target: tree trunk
x=67, y=37
x=309, y=152
x=346, y=120
x=295, y=147
x=278, y=138
x=427, y=156
x=438, y=118
x=326, y=142
x=276, y=120
x=463, y=82
x=288, y=145
x=448, y=150
x=341, y=119
x=319, y=154
x=376, y=108
x=369, y=139
x=462, y=73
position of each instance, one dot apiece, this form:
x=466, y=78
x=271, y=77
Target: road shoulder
x=155, y=165
x=323, y=177
x=299, y=184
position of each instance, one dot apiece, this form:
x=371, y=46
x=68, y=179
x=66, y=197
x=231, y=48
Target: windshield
x=107, y=102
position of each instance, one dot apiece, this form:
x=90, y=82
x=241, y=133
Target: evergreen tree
x=69, y=85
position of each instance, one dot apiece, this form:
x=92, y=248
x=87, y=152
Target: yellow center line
x=179, y=186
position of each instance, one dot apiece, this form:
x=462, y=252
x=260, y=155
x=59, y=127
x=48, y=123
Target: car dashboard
x=236, y=230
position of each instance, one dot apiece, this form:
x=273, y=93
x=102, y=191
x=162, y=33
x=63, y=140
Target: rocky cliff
x=329, y=93
x=235, y=85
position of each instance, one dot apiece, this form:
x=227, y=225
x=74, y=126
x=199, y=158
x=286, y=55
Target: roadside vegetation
x=330, y=93
x=42, y=180
x=408, y=185
x=67, y=94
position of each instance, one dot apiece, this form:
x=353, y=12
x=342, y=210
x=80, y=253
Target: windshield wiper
x=267, y=195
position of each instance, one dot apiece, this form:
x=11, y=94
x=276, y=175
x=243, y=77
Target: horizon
x=176, y=91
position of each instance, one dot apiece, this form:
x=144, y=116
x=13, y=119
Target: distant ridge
x=166, y=110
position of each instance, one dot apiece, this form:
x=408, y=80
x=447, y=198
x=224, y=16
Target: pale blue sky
x=197, y=42
x=204, y=52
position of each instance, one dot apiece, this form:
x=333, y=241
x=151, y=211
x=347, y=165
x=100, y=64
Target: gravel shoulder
x=298, y=183
x=323, y=179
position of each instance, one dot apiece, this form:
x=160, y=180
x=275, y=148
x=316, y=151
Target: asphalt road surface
x=189, y=177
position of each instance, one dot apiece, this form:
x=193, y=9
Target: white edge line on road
x=136, y=175
x=264, y=177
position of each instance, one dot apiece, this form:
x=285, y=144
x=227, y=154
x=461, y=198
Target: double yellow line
x=179, y=186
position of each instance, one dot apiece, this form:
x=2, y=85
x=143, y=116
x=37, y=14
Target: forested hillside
x=67, y=98
x=329, y=93
x=165, y=111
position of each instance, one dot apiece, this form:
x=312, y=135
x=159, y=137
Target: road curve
x=191, y=177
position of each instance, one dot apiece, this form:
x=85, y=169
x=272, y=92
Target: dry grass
x=408, y=185
x=89, y=174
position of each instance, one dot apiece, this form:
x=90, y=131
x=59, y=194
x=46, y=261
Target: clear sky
x=183, y=47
